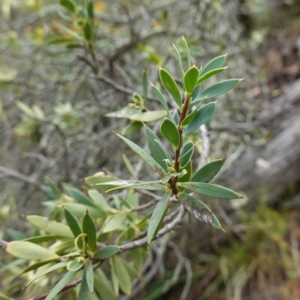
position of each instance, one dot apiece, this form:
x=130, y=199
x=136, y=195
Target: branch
x=20, y=176
x=160, y=233
x=118, y=87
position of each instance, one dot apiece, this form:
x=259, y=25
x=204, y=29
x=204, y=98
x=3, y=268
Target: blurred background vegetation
x=53, y=103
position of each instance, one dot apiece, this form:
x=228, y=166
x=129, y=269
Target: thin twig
x=160, y=233
x=20, y=176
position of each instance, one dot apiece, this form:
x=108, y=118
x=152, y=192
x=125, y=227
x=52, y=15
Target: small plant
x=113, y=231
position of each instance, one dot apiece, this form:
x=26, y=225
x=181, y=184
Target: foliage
x=89, y=237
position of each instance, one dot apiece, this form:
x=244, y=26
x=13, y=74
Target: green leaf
x=122, y=274
x=143, y=155
x=100, y=201
x=129, y=167
x=43, y=238
x=157, y=215
x=114, y=277
x=47, y=271
x=211, y=190
x=72, y=222
x=106, y=252
x=50, y=226
x=157, y=149
x=199, y=210
x=88, y=31
x=161, y=99
x=114, y=222
x=208, y=172
x=186, y=154
x=29, y=251
x=215, y=63
x=170, y=132
x=127, y=184
x=187, y=176
x=171, y=86
x=84, y=292
x=148, y=116
x=132, y=127
x=89, y=275
x=188, y=53
x=78, y=210
x=75, y=265
x=209, y=74
x=39, y=264
x=3, y=297
x=178, y=59
x=190, y=79
x=201, y=117
x=126, y=112
x=89, y=228
x=68, y=5
x=145, y=83
x=77, y=195
x=217, y=89
x=103, y=287
x=187, y=120
x=81, y=238
x=60, y=285
x=90, y=10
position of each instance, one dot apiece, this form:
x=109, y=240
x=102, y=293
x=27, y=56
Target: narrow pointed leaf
x=123, y=276
x=72, y=222
x=103, y=287
x=29, y=251
x=106, y=252
x=132, y=127
x=215, y=63
x=188, y=53
x=157, y=216
x=178, y=59
x=170, y=132
x=199, y=210
x=145, y=83
x=148, y=116
x=60, y=285
x=161, y=99
x=188, y=119
x=190, y=79
x=43, y=238
x=201, y=117
x=50, y=226
x=47, y=271
x=88, y=227
x=114, y=222
x=170, y=85
x=128, y=184
x=39, y=264
x=209, y=74
x=217, y=89
x=186, y=154
x=157, y=149
x=129, y=167
x=89, y=275
x=69, y=5
x=208, y=172
x=84, y=292
x=211, y=190
x=187, y=176
x=100, y=201
x=143, y=155
x=78, y=195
